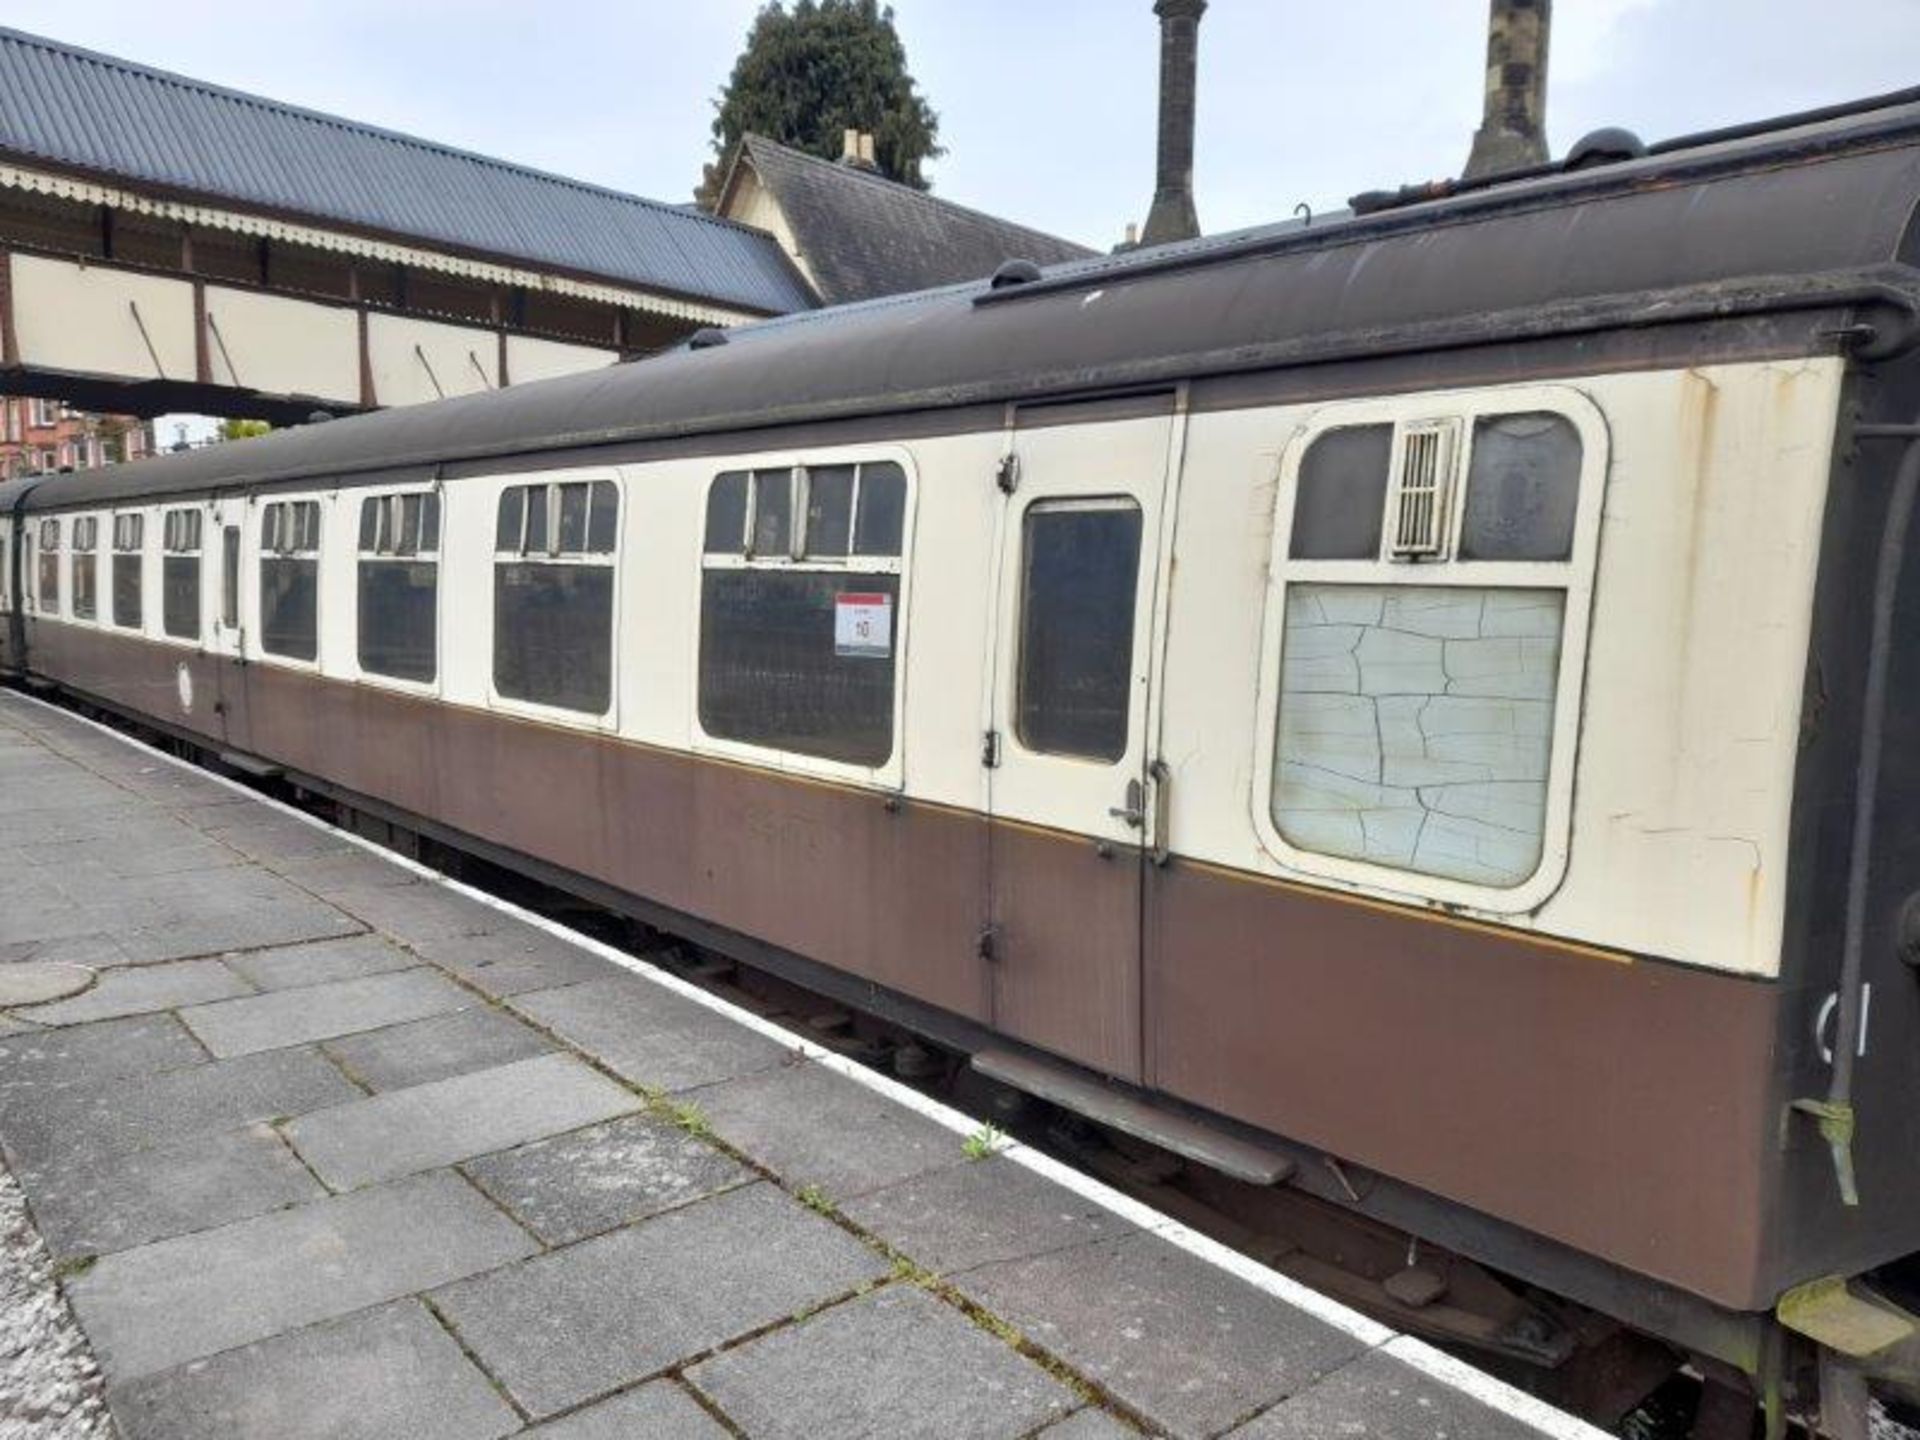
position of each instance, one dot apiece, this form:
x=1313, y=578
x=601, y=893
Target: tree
x=243, y=429
x=811, y=73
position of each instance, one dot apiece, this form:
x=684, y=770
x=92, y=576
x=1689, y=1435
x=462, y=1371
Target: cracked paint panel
x=1416, y=725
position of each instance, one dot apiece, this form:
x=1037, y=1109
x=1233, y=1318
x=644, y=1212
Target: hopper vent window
x=1422, y=486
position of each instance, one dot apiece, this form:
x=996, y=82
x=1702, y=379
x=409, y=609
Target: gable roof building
x=857, y=235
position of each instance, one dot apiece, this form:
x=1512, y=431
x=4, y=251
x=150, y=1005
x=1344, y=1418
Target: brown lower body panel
x=1619, y=1108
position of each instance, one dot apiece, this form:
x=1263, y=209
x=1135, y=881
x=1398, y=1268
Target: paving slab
x=426, y=1126
x=515, y=958
x=268, y=836
x=1189, y=1346
x=176, y=1300
x=55, y=824
x=648, y=1035
x=897, y=1364
x=320, y=1012
x=982, y=1212
x=159, y=847
x=288, y=967
x=354, y=868
x=815, y=1128
x=213, y=932
x=89, y=1204
x=176, y=917
x=142, y=990
x=132, y=1112
x=1383, y=1398
x=381, y=1374
x=94, y=1053
x=90, y=948
x=38, y=915
x=28, y=983
x=642, y=1299
x=1091, y=1424
x=417, y=912
x=597, y=1179
x=659, y=1411
x=436, y=1048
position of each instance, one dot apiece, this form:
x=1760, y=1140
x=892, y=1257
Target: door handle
x=1134, y=812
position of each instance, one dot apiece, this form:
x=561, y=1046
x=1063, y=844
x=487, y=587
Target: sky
x=1046, y=106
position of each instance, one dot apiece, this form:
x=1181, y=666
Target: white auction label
x=863, y=624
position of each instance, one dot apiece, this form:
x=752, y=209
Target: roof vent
x=1422, y=487
x=1608, y=146
x=1014, y=272
x=706, y=338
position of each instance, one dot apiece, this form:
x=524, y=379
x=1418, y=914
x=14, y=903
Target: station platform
x=331, y=1146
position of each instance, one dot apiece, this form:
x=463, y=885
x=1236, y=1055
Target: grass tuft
x=815, y=1199
x=983, y=1142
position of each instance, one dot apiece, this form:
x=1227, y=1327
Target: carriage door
x=1067, y=746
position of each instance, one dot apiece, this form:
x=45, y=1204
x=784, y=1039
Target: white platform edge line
x=1435, y=1364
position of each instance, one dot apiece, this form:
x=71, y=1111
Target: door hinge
x=1007, y=474
x=987, y=946
x=990, y=750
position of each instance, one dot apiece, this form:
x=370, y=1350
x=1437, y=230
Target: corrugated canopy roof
x=863, y=235
x=95, y=113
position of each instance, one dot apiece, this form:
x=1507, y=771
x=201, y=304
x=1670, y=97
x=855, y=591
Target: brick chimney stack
x=1172, y=216
x=1513, y=131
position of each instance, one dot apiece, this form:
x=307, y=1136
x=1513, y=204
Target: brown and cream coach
x=1428, y=693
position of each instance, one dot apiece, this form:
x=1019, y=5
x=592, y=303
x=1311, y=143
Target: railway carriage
x=1421, y=701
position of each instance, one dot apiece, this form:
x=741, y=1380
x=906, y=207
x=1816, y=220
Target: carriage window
x=49, y=567
x=290, y=579
x=180, y=574
x=798, y=622
x=1080, y=566
x=399, y=585
x=1342, y=494
x=86, y=568
x=1416, y=700
x=553, y=576
x=1523, y=489
x=129, y=536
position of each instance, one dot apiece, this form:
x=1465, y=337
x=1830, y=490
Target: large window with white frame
x=180, y=574
x=84, y=568
x=49, y=578
x=799, y=600
x=398, y=585
x=1431, y=577
x=129, y=567
x=290, y=579
x=553, y=589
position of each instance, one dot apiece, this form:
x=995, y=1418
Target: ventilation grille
x=1422, y=486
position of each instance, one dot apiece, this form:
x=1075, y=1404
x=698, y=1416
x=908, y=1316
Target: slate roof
x=862, y=235
x=111, y=118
